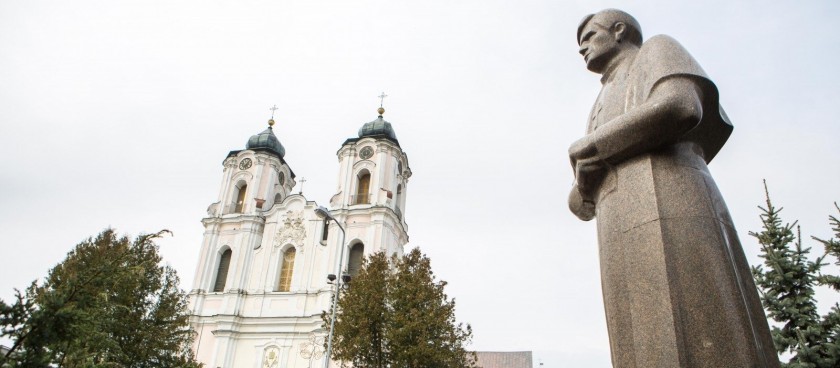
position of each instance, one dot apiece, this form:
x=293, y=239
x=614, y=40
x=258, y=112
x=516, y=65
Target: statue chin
x=583, y=209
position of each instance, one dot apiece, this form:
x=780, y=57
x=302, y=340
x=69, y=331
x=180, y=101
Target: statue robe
x=677, y=288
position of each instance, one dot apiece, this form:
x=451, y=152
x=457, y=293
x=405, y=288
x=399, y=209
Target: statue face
x=598, y=46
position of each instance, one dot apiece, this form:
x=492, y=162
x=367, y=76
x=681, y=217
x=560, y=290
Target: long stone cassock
x=677, y=287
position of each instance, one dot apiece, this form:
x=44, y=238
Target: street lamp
x=324, y=214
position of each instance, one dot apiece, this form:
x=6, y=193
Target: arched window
x=357, y=254
x=363, y=188
x=239, y=205
x=286, y=269
x=278, y=198
x=222, y=271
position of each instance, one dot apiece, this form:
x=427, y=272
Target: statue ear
x=618, y=30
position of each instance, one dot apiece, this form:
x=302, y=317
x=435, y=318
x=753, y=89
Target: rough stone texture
x=677, y=287
x=504, y=359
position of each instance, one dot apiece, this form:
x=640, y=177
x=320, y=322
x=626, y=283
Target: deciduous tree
x=363, y=316
x=422, y=330
x=396, y=314
x=110, y=303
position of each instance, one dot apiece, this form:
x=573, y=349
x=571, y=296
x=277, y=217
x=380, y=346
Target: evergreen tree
x=108, y=304
x=786, y=282
x=396, y=314
x=831, y=322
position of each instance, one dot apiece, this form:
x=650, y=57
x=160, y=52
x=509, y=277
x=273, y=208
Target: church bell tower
x=261, y=280
x=371, y=191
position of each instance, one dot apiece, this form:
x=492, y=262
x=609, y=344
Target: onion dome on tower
x=379, y=128
x=266, y=141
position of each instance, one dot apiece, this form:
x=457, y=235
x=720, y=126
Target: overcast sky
x=119, y=113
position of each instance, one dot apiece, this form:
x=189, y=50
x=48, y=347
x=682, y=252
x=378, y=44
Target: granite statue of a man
x=677, y=287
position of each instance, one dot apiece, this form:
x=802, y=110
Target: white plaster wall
x=234, y=327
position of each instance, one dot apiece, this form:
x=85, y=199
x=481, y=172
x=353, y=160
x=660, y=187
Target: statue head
x=605, y=35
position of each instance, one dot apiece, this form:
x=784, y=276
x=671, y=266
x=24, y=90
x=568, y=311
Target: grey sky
x=119, y=113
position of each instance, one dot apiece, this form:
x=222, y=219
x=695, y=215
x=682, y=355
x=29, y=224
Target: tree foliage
x=423, y=331
x=787, y=281
x=396, y=314
x=108, y=304
x=362, y=316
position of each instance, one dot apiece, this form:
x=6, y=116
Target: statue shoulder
x=662, y=50
x=662, y=56
x=661, y=42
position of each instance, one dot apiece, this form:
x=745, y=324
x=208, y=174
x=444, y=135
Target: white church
x=261, y=280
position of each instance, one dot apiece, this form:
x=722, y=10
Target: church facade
x=261, y=280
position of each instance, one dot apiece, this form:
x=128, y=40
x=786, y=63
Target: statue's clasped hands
x=589, y=171
x=586, y=163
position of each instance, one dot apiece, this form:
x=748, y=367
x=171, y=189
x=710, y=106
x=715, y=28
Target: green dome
x=266, y=140
x=378, y=128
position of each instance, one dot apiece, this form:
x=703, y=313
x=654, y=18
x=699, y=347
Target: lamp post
x=323, y=213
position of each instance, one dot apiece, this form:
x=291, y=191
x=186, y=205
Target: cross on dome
x=381, y=109
x=271, y=121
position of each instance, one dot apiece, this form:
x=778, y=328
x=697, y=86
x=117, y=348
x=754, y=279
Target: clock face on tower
x=366, y=153
x=245, y=164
